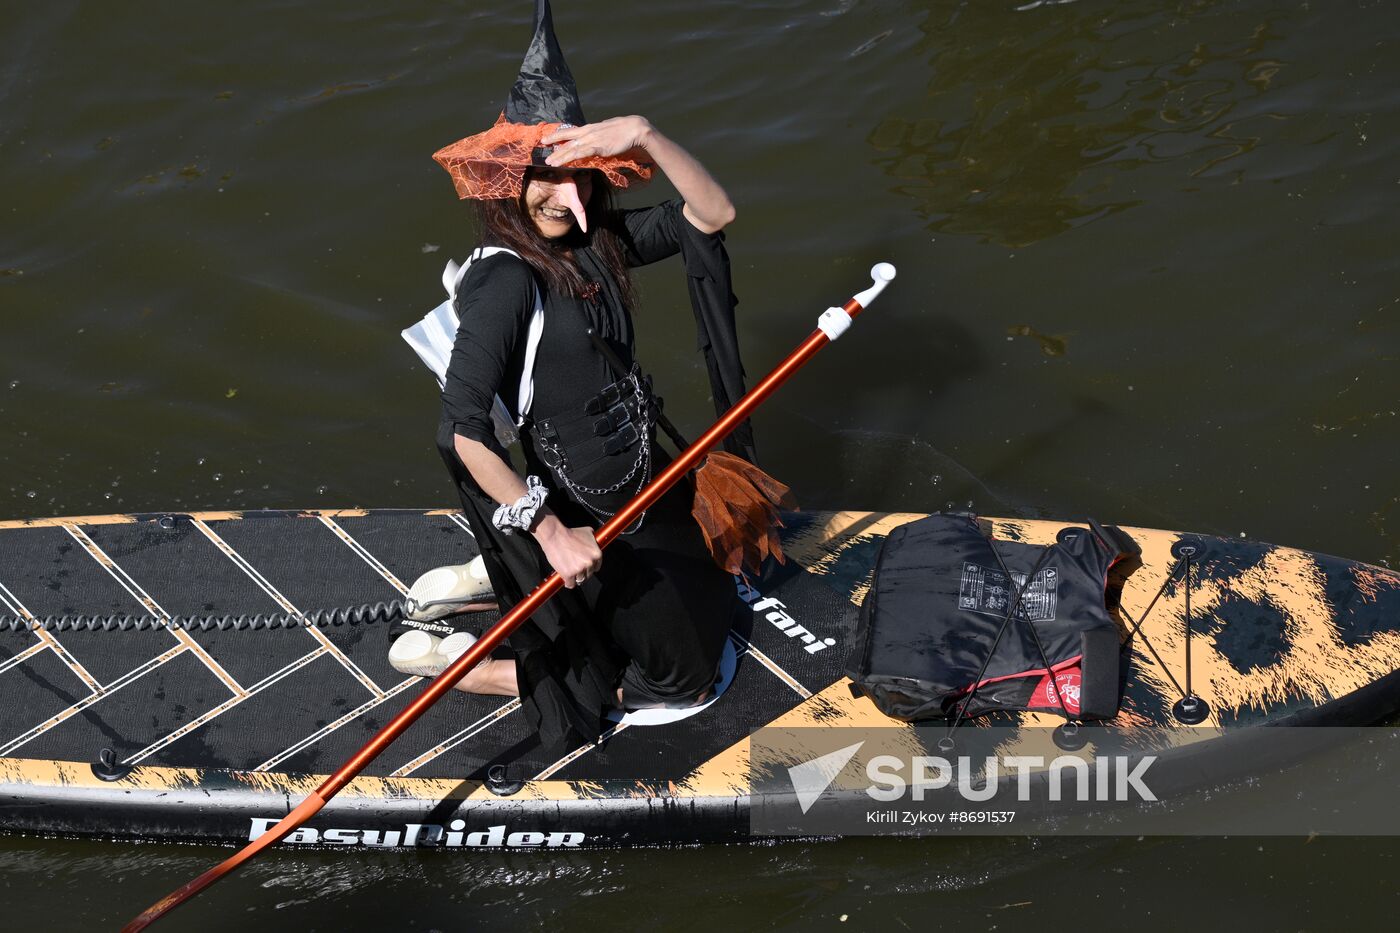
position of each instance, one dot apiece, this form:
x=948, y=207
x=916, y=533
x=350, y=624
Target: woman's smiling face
x=555, y=197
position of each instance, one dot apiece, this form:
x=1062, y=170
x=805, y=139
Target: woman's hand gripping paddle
x=832, y=324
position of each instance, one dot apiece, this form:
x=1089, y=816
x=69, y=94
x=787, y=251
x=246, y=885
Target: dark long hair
x=504, y=222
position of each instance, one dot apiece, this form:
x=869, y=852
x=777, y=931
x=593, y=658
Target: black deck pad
x=50, y=573
x=279, y=715
x=42, y=687
x=313, y=568
x=805, y=633
x=142, y=711
x=186, y=574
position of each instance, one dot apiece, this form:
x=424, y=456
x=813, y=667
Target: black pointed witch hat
x=544, y=92
x=493, y=164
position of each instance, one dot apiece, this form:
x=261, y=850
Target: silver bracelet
x=521, y=513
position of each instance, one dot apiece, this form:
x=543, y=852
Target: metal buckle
x=621, y=440
x=604, y=400
x=618, y=416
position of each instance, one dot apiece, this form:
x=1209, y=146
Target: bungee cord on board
x=363, y=614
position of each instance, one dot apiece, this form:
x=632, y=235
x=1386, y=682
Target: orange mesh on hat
x=492, y=164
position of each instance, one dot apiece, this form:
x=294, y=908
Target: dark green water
x=1148, y=271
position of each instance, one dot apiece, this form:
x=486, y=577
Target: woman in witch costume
x=644, y=624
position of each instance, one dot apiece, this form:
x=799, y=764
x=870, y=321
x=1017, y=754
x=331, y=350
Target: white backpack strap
x=534, y=333
x=532, y=346
x=432, y=339
x=452, y=276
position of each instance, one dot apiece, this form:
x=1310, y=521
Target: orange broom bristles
x=737, y=508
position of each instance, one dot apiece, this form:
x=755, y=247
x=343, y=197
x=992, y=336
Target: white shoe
x=445, y=590
x=424, y=655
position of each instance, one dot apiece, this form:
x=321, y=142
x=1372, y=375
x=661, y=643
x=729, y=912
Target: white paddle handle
x=883, y=274
x=836, y=321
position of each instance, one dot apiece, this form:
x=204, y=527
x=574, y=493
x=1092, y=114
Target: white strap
x=532, y=346
x=452, y=276
x=432, y=339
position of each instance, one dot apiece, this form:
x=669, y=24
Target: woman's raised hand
x=707, y=207
x=611, y=137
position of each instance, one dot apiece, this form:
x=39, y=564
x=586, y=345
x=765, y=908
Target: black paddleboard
x=215, y=735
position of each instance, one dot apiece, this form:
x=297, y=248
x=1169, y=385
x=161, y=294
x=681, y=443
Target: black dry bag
x=950, y=609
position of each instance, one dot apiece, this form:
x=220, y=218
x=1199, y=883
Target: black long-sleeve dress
x=655, y=617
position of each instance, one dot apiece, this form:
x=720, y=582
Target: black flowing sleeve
x=494, y=304
x=651, y=234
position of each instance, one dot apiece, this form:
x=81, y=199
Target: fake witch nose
x=568, y=193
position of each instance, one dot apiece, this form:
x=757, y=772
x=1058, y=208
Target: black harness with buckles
x=615, y=422
x=611, y=423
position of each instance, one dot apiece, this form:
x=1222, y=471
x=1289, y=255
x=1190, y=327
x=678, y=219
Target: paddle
x=832, y=324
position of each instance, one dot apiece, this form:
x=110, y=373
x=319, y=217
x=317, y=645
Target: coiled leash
x=363, y=614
